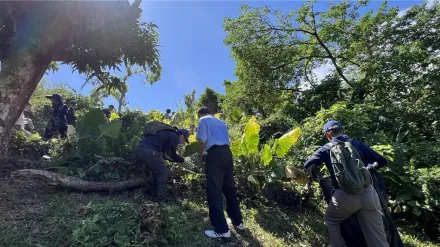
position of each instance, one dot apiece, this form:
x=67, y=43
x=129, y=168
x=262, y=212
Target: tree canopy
x=92, y=36
x=383, y=57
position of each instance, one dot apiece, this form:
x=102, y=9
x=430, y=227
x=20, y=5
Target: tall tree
x=210, y=99
x=382, y=57
x=115, y=86
x=91, y=36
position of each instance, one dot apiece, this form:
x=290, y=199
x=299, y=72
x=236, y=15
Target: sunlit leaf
x=114, y=116
x=134, y=141
x=266, y=155
x=236, y=148
x=236, y=115
x=192, y=138
x=252, y=179
x=285, y=142
x=251, y=136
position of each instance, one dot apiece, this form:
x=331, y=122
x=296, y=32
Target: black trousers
x=220, y=179
x=54, y=126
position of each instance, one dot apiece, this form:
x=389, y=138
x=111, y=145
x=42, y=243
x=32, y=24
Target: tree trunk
x=19, y=76
x=70, y=182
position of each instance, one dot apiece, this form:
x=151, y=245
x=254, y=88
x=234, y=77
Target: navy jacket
x=322, y=155
x=70, y=117
x=164, y=142
x=60, y=113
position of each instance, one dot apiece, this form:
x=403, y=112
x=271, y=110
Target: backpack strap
x=331, y=144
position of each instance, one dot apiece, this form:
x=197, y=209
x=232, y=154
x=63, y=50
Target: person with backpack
x=160, y=142
x=213, y=137
x=346, y=161
x=58, y=122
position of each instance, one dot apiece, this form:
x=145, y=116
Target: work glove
x=188, y=164
x=199, y=158
x=373, y=166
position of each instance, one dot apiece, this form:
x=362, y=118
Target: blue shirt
x=212, y=131
x=322, y=155
x=164, y=142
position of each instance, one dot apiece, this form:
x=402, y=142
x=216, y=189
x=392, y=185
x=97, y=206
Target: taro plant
x=265, y=163
x=93, y=132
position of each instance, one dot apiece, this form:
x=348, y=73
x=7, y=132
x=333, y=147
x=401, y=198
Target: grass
x=38, y=215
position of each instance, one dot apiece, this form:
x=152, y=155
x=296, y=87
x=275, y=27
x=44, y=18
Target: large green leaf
x=236, y=148
x=111, y=129
x=266, y=155
x=134, y=141
x=97, y=146
x=93, y=118
x=285, y=142
x=236, y=115
x=251, y=136
x=190, y=149
x=122, y=139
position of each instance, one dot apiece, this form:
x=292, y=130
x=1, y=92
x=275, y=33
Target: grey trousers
x=366, y=207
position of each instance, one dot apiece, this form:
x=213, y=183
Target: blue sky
x=192, y=52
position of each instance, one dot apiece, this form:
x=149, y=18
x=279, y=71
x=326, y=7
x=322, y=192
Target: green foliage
x=283, y=144
x=250, y=140
x=253, y=162
x=133, y=122
x=98, y=229
x=31, y=148
x=115, y=36
x=210, y=99
x=93, y=131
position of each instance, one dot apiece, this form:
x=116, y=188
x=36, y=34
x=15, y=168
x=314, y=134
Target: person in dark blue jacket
x=366, y=206
x=150, y=151
x=58, y=122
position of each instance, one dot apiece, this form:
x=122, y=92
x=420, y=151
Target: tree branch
x=330, y=55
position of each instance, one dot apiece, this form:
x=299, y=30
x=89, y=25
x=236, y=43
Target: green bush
x=119, y=224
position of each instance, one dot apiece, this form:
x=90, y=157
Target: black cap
x=54, y=96
x=185, y=134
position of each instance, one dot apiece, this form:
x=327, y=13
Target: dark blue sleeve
x=371, y=156
x=318, y=158
x=174, y=142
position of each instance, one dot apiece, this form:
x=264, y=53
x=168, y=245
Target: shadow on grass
x=293, y=225
x=186, y=225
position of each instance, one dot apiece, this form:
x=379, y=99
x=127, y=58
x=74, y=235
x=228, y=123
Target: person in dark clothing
x=58, y=122
x=213, y=137
x=150, y=151
x=342, y=205
x=168, y=114
x=71, y=120
x=108, y=112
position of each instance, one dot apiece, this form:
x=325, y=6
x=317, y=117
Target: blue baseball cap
x=185, y=134
x=332, y=124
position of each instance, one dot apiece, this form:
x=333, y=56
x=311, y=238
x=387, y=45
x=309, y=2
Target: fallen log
x=76, y=183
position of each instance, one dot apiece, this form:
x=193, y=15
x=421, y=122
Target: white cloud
x=429, y=3
x=323, y=71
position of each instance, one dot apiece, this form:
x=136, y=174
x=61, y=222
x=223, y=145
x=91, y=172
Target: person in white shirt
x=23, y=121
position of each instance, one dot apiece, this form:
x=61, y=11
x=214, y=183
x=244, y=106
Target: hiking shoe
x=240, y=227
x=213, y=234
